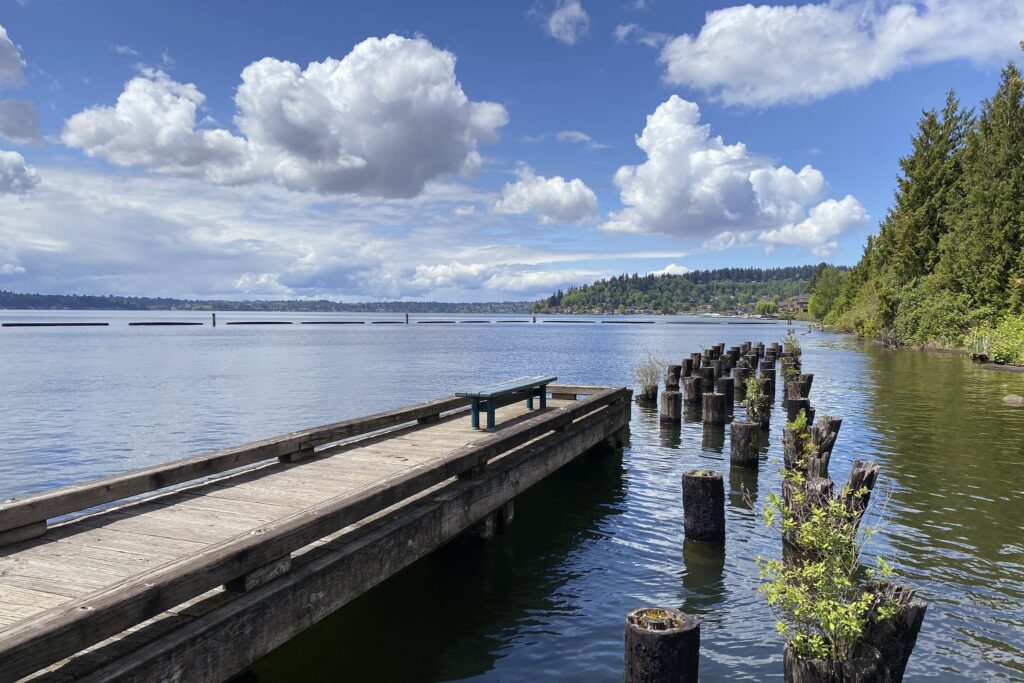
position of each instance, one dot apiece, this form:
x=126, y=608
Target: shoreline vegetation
x=946, y=269
x=733, y=291
x=86, y=302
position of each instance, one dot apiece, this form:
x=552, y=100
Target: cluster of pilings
x=664, y=644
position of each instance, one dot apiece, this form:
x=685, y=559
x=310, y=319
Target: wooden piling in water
x=672, y=373
x=693, y=389
x=695, y=359
x=671, y=409
x=806, y=380
x=707, y=373
x=716, y=365
x=661, y=645
x=794, y=406
x=714, y=409
x=744, y=438
x=769, y=375
x=704, y=506
x=725, y=385
x=687, y=367
x=740, y=382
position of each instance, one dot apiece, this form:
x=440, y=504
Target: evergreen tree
x=984, y=253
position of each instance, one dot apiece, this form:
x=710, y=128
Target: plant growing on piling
x=823, y=598
x=791, y=371
x=808, y=449
x=648, y=372
x=791, y=345
x=756, y=402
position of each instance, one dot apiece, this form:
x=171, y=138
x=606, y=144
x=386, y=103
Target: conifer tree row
x=949, y=256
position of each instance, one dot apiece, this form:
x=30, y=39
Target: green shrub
x=928, y=313
x=822, y=601
x=1005, y=341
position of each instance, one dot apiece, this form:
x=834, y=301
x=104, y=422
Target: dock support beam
x=258, y=577
x=22, y=533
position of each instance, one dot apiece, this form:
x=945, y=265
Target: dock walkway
x=194, y=569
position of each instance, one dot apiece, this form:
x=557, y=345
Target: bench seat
x=507, y=392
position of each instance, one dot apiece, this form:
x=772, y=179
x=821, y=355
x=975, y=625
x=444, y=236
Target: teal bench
x=513, y=390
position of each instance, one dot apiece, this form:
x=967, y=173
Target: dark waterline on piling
x=600, y=537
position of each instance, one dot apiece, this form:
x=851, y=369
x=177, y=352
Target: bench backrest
x=508, y=387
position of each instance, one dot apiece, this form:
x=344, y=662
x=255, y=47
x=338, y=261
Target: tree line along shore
x=946, y=269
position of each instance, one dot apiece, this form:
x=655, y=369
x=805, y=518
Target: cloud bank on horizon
x=381, y=173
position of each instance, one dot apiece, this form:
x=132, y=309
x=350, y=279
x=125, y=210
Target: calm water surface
x=600, y=536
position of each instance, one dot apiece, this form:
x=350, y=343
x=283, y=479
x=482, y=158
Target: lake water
x=604, y=534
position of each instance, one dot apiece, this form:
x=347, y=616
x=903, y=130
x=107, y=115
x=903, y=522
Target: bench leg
x=529, y=402
x=474, y=419
x=490, y=414
x=543, y=398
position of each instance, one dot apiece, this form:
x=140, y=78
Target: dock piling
x=661, y=645
x=704, y=506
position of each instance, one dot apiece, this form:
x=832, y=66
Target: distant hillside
x=14, y=300
x=723, y=290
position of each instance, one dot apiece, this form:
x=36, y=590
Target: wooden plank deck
x=97, y=578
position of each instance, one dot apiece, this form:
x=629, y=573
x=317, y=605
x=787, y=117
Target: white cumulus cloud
x=818, y=231
x=569, y=22
x=382, y=121
x=552, y=200
x=695, y=185
x=16, y=176
x=507, y=278
x=153, y=125
x=673, y=269
x=770, y=54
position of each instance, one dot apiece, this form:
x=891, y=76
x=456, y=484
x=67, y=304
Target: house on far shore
x=800, y=302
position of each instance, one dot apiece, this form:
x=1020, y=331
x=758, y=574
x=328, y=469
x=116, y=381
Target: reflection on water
x=601, y=536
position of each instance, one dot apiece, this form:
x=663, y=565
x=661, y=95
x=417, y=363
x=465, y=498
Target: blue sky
x=461, y=150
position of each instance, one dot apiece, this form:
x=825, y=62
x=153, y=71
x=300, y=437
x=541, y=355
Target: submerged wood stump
x=744, y=442
x=661, y=646
x=793, y=449
x=769, y=375
x=714, y=409
x=740, y=376
x=865, y=666
x=671, y=406
x=726, y=386
x=704, y=506
x=863, y=475
x=806, y=380
x=825, y=433
x=794, y=406
x=895, y=638
x=672, y=377
x=693, y=389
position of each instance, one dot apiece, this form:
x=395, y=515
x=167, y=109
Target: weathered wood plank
x=42, y=506
x=60, y=632
x=22, y=533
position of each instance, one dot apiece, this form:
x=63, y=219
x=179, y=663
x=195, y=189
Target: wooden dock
x=194, y=569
